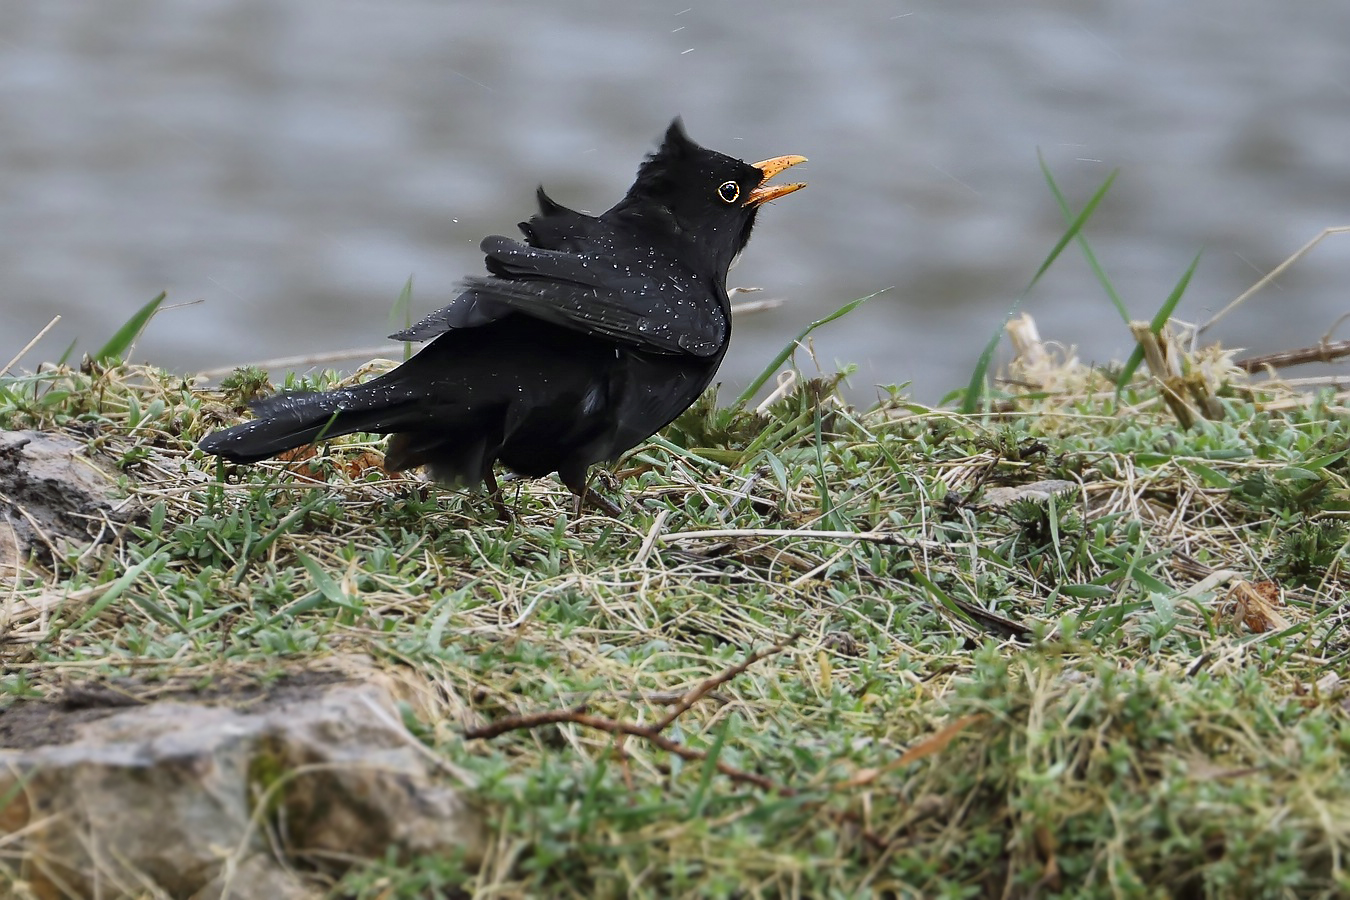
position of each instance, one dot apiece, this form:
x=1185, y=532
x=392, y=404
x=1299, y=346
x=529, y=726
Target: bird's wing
x=660, y=310
x=468, y=310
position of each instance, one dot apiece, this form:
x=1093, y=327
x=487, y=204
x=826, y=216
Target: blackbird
x=580, y=343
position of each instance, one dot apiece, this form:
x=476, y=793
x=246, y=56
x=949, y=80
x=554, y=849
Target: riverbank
x=1058, y=647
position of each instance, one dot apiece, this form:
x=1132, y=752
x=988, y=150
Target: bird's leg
x=577, y=484
x=602, y=503
x=495, y=493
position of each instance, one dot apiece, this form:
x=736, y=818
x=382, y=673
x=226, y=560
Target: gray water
x=290, y=164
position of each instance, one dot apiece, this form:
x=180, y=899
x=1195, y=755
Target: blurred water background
x=290, y=164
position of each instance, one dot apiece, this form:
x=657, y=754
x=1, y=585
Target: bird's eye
x=729, y=191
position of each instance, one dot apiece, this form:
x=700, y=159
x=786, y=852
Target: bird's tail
x=294, y=419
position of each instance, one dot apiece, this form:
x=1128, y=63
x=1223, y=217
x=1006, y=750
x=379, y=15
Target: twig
x=875, y=537
x=29, y=346
x=1272, y=275
x=649, y=733
x=1326, y=338
x=524, y=721
x=990, y=621
x=649, y=542
x=291, y=362
x=1325, y=351
x=721, y=678
x=752, y=307
x=579, y=716
x=787, y=380
x=923, y=749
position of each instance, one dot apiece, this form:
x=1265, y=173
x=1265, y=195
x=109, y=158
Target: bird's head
x=706, y=199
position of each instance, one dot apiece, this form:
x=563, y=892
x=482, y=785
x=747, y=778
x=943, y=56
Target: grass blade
x=1159, y=320
x=326, y=584
x=937, y=593
x=118, y=345
x=975, y=391
x=823, y=481
x=792, y=345
x=65, y=357
x=1083, y=243
x=400, y=314
x=117, y=588
x=258, y=549
x=709, y=769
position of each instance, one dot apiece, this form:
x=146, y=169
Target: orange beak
x=771, y=167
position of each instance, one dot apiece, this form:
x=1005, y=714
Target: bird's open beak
x=771, y=167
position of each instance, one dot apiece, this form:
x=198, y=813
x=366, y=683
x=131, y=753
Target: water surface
x=291, y=164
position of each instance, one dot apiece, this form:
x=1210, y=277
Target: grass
x=1042, y=643
x=1142, y=733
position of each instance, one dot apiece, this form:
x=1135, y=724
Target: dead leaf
x=1254, y=604
x=366, y=459
x=298, y=454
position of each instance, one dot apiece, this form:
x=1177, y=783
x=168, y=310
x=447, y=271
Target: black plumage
x=580, y=343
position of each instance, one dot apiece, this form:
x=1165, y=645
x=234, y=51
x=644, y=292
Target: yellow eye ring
x=729, y=191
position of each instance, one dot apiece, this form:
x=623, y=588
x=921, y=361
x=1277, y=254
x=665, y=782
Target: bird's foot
x=583, y=496
x=598, y=501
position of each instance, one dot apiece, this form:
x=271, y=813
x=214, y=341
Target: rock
x=196, y=798
x=258, y=877
x=51, y=493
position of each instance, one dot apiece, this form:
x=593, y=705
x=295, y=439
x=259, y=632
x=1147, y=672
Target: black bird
x=581, y=342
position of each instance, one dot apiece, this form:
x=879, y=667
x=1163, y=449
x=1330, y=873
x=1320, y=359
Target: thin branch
x=29, y=346
x=305, y=361
x=875, y=537
x=1272, y=275
x=577, y=715
x=524, y=721
x=721, y=678
x=1324, y=351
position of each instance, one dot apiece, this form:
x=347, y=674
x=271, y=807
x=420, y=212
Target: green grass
x=1085, y=694
x=1139, y=740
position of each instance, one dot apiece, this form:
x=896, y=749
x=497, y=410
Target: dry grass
x=1126, y=686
